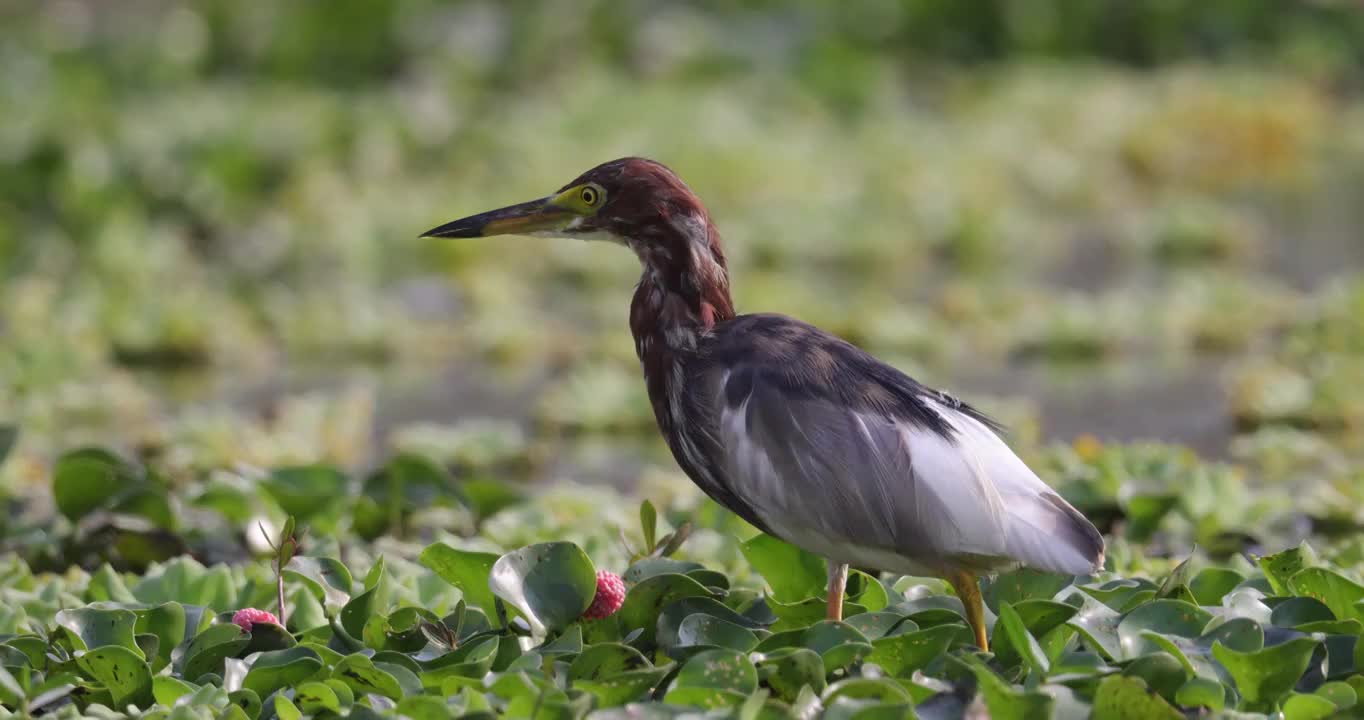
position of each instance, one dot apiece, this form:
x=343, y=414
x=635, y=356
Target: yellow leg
x=965, y=584
x=838, y=581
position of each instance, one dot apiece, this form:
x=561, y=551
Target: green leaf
x=166, y=689
x=358, y=611
x=714, y=678
x=326, y=578
x=837, y=643
x=1202, y=692
x=285, y=709
x=620, y=688
x=1098, y=625
x=316, y=697
x=650, y=566
x=1333, y=589
x=792, y=573
x=1265, y=676
x=360, y=675
x=123, y=672
x=875, y=625
x=1039, y=617
x=1022, y=584
x=1025, y=644
x=645, y=602
x=1281, y=567
x=1127, y=698
x=552, y=584
x=708, y=630
x=605, y=660
x=1162, y=672
x=1003, y=701
x=306, y=490
x=94, y=627
x=1307, y=707
x=901, y=655
x=167, y=622
x=1210, y=585
x=88, y=479
x=207, y=651
x=787, y=670
x=467, y=570
x=281, y=668
x=648, y=523
x=1167, y=617
x=670, y=620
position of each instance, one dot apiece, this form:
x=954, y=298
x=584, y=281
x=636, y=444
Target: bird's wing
x=859, y=484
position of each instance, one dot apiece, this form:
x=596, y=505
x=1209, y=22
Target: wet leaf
x=552, y=584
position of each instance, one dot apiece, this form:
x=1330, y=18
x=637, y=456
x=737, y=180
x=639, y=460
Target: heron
x=802, y=434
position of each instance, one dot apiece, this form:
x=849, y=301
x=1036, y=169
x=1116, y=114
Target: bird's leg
x=969, y=592
x=838, y=580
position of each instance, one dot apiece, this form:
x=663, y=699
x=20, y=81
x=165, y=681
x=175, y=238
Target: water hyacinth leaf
x=837, y=643
x=1202, y=692
x=714, y=678
x=1296, y=611
x=1167, y=617
x=670, y=620
x=649, y=567
x=708, y=630
x=605, y=660
x=620, y=688
x=167, y=689
x=285, y=709
x=792, y=573
x=901, y=655
x=874, y=625
x=1341, y=694
x=552, y=584
x=465, y=569
x=1022, y=584
x=1022, y=641
x=570, y=642
x=361, y=676
x=267, y=636
x=207, y=651
x=304, y=491
x=472, y=660
x=1127, y=698
x=1098, y=625
x=1210, y=585
x=247, y=700
x=1264, y=677
x=96, y=627
x=1162, y=672
x=1280, y=567
x=1336, y=591
x=326, y=578
x=1300, y=706
x=316, y=697
x=167, y=622
x=790, y=669
x=1039, y=618
x=880, y=690
x=123, y=672
x=281, y=668
x=90, y=478
x=645, y=602
x=1002, y=700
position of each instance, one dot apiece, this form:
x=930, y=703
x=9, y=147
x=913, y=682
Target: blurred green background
x=1111, y=220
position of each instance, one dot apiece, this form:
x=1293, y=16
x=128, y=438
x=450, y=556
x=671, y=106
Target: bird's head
x=635, y=202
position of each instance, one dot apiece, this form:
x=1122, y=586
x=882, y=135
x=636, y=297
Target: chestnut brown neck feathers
x=684, y=288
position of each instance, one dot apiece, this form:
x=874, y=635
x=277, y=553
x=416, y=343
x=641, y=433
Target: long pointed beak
x=520, y=219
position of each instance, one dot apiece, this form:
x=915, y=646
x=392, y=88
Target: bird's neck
x=682, y=294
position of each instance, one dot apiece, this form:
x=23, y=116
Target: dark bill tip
x=520, y=219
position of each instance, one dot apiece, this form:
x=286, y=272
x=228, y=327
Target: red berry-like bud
x=610, y=596
x=246, y=616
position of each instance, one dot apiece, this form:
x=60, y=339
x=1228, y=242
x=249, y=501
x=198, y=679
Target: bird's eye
x=590, y=196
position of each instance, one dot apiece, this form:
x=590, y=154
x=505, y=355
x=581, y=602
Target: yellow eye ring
x=590, y=196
